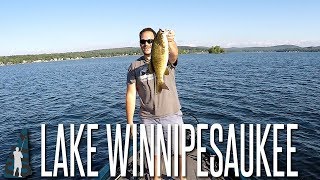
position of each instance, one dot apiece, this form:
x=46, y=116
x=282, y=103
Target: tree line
x=216, y=50
x=16, y=59
x=126, y=51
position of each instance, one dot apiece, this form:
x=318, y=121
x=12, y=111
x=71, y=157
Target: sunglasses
x=143, y=41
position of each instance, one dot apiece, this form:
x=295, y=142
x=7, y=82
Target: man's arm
x=130, y=102
x=173, y=49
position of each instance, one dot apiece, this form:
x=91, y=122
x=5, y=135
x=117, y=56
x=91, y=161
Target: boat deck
x=191, y=170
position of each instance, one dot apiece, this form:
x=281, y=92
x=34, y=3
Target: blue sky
x=33, y=27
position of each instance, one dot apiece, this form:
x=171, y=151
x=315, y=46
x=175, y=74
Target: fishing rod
x=23, y=140
x=190, y=114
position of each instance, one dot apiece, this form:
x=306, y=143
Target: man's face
x=145, y=45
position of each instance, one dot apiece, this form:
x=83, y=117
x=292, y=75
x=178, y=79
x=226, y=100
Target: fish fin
x=160, y=86
x=167, y=71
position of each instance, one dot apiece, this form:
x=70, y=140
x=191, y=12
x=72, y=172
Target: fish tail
x=160, y=86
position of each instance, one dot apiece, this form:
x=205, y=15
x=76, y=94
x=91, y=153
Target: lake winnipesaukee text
x=118, y=147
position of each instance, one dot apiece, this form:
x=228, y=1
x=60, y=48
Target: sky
x=37, y=26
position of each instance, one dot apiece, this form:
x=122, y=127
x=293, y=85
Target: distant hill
x=189, y=49
x=125, y=51
x=279, y=48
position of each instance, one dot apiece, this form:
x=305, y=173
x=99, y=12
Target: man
x=155, y=108
x=17, y=161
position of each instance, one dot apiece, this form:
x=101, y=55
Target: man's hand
x=171, y=35
x=173, y=49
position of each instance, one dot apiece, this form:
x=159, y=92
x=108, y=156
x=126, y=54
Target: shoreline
x=60, y=59
x=125, y=51
x=123, y=55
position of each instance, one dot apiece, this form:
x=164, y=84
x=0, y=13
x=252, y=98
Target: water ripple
x=229, y=88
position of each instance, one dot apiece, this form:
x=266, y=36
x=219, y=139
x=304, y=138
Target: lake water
x=234, y=88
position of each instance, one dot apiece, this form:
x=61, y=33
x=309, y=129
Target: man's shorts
x=164, y=121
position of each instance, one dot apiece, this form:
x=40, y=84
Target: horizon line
x=87, y=50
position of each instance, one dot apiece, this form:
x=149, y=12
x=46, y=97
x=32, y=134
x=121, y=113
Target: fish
x=159, y=59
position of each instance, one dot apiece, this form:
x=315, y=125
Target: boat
x=191, y=166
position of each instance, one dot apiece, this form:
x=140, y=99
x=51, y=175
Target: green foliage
x=70, y=55
x=216, y=50
x=7, y=60
x=279, y=48
x=189, y=50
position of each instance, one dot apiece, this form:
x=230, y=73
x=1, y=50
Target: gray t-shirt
x=152, y=104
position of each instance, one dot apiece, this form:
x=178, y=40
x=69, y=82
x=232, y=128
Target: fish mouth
x=164, y=32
